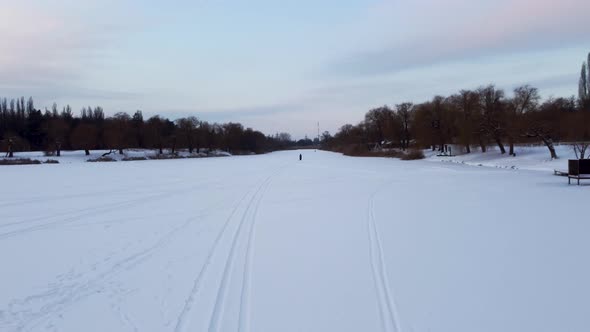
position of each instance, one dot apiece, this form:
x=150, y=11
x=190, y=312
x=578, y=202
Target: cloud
x=425, y=32
x=50, y=47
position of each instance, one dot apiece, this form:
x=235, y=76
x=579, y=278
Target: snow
x=68, y=157
x=269, y=243
x=527, y=157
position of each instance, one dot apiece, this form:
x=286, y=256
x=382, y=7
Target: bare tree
x=187, y=128
x=154, y=133
x=578, y=129
x=378, y=123
x=526, y=99
x=580, y=150
x=57, y=129
x=543, y=123
x=405, y=111
x=493, y=115
x=467, y=102
x=117, y=131
x=85, y=137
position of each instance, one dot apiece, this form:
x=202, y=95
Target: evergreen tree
x=584, y=85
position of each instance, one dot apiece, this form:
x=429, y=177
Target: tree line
x=474, y=118
x=26, y=128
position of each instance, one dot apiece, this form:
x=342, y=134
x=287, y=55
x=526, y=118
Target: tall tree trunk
x=120, y=150
x=482, y=145
x=10, y=152
x=547, y=140
x=501, y=146
x=549, y=143
x=511, y=142
x=87, y=152
x=467, y=148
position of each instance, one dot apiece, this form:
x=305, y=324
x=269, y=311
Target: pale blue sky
x=283, y=65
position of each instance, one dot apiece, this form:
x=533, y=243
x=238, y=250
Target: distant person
x=300, y=157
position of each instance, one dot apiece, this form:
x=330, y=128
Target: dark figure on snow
x=9, y=152
x=300, y=157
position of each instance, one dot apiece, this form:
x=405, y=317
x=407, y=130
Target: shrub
x=21, y=161
x=354, y=150
x=101, y=159
x=413, y=155
x=133, y=158
x=360, y=150
x=165, y=156
x=51, y=161
x=388, y=154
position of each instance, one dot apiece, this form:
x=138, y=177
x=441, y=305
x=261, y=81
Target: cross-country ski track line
x=387, y=306
x=244, y=314
x=256, y=195
x=218, y=309
x=273, y=243
x=41, y=223
x=75, y=291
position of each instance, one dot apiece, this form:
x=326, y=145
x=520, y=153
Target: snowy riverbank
x=527, y=158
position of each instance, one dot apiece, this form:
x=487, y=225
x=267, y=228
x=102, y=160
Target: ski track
x=216, y=314
x=221, y=256
x=219, y=308
x=59, y=299
x=387, y=306
x=181, y=321
x=78, y=214
x=244, y=315
x=34, y=200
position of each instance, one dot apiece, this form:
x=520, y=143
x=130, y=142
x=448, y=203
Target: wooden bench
x=578, y=169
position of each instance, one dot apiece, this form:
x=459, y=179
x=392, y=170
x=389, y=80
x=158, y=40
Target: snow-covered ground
x=269, y=243
x=527, y=157
x=68, y=157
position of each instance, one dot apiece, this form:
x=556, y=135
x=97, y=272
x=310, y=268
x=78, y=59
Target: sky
x=283, y=65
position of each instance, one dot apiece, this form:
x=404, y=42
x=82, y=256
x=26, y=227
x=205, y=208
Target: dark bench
x=578, y=169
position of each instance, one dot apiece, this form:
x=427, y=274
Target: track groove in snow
x=41, y=223
x=44, y=199
x=182, y=318
x=387, y=307
x=74, y=291
x=244, y=315
x=256, y=196
x=326, y=245
x=219, y=308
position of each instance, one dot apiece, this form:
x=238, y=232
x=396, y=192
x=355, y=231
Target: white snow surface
x=269, y=243
x=527, y=157
x=68, y=157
